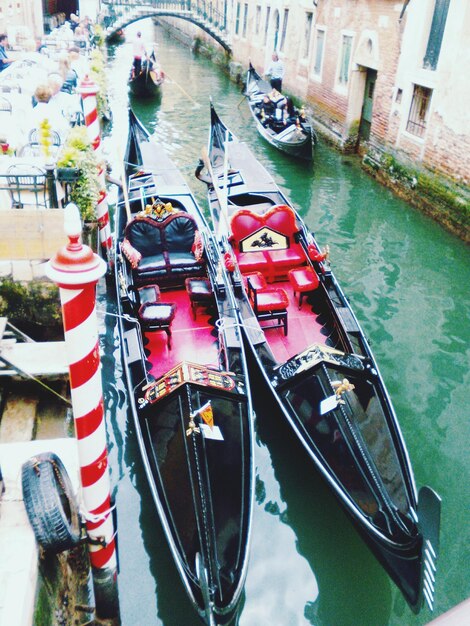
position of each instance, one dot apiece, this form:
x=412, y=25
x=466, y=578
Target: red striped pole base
x=76, y=270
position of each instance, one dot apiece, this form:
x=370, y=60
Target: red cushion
x=303, y=279
x=251, y=261
x=286, y=258
x=280, y=218
x=257, y=280
x=133, y=256
x=244, y=222
x=270, y=299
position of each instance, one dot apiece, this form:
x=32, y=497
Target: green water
x=408, y=283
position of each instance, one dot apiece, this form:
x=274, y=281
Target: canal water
x=408, y=283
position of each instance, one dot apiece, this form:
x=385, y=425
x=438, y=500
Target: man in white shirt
x=139, y=53
x=275, y=71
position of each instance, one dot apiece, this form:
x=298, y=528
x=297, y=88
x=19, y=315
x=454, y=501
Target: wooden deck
x=31, y=358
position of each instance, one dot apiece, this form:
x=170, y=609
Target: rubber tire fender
x=50, y=503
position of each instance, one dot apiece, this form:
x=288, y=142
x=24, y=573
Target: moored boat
x=184, y=361
x=318, y=365
x=116, y=37
x=286, y=128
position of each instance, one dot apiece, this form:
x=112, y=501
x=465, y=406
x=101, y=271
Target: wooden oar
x=243, y=98
x=183, y=91
x=215, y=184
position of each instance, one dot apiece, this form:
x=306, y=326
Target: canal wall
x=442, y=194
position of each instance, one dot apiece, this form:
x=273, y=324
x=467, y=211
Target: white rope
x=221, y=324
x=95, y=517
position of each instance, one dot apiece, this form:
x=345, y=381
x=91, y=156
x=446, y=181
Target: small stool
x=148, y=293
x=303, y=280
x=269, y=303
x=156, y=316
x=200, y=293
x=257, y=280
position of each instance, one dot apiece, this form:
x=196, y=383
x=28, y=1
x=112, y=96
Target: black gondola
x=318, y=365
x=148, y=83
x=184, y=363
x=287, y=129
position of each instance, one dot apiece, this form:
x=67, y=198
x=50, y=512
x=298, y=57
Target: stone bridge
x=202, y=13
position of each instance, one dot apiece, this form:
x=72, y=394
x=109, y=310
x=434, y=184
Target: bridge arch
x=118, y=21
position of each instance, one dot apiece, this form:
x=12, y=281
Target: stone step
x=18, y=419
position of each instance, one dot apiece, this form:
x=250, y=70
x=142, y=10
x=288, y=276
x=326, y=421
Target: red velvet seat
x=303, y=280
x=283, y=260
x=272, y=262
x=257, y=280
x=269, y=303
x=252, y=262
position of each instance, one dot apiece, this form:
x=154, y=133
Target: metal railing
x=204, y=13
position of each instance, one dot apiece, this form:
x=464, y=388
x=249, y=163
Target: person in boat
x=140, y=53
x=266, y=110
x=275, y=71
x=276, y=109
x=5, y=60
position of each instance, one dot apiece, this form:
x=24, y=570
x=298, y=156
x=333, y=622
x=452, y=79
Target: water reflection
x=334, y=559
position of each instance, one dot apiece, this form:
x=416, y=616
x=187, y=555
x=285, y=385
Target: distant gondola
x=291, y=132
x=148, y=83
x=318, y=365
x=188, y=390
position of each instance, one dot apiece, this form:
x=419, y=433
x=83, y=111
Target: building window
x=438, y=24
x=245, y=19
x=258, y=19
x=346, y=48
x=419, y=110
x=319, y=43
x=237, y=19
x=308, y=34
x=276, y=23
x=284, y=29
x=266, y=25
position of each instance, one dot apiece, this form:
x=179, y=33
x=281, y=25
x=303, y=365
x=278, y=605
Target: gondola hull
x=147, y=84
x=318, y=365
x=296, y=138
x=189, y=397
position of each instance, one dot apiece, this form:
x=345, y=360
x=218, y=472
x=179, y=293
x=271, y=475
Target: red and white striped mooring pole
x=76, y=270
x=88, y=90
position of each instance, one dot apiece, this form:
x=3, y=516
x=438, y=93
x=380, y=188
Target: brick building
x=384, y=77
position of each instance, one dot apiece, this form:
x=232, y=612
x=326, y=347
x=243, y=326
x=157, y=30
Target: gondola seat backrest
x=170, y=249
x=145, y=237
x=272, y=262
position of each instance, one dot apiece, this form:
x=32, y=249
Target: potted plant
x=77, y=165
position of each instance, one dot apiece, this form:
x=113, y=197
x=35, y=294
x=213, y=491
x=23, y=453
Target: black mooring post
x=51, y=186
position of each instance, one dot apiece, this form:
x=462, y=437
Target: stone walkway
x=19, y=562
